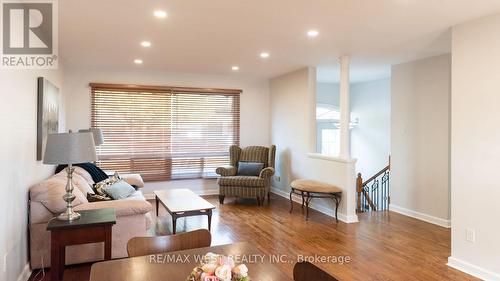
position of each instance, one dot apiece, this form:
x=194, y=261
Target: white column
x=345, y=111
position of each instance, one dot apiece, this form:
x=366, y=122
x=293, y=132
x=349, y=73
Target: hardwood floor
x=382, y=246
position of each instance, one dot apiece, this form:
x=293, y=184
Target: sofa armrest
x=266, y=173
x=133, y=179
x=122, y=207
x=226, y=171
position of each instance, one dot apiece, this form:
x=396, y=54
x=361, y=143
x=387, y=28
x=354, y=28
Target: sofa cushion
x=242, y=181
x=137, y=195
x=50, y=192
x=122, y=207
x=119, y=190
x=84, y=174
x=249, y=168
x=78, y=182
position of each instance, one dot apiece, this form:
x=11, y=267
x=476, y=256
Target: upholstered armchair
x=257, y=186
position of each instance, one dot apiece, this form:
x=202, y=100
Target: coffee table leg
x=209, y=214
x=174, y=223
x=156, y=197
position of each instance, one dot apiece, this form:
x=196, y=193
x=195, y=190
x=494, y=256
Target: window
x=327, y=126
x=165, y=132
x=329, y=141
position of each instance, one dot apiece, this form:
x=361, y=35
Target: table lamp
x=97, y=133
x=69, y=148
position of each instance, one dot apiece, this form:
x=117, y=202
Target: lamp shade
x=69, y=148
x=97, y=133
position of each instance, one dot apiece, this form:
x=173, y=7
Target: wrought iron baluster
x=375, y=193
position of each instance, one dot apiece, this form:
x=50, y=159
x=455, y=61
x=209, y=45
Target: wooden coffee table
x=183, y=203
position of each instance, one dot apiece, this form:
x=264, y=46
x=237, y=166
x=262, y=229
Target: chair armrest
x=226, y=171
x=122, y=207
x=266, y=173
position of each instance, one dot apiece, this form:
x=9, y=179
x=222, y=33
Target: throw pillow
x=97, y=198
x=98, y=187
x=249, y=168
x=119, y=190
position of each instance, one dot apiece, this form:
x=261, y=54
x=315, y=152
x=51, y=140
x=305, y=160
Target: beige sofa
x=133, y=218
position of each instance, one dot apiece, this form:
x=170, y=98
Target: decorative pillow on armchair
x=249, y=168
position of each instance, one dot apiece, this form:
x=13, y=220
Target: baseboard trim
x=420, y=216
x=25, y=274
x=471, y=269
x=329, y=212
x=151, y=196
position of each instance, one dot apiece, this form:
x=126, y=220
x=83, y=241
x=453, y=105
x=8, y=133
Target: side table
x=92, y=227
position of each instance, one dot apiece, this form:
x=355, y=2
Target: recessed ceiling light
x=146, y=44
x=138, y=61
x=160, y=14
x=264, y=55
x=312, y=33
x=235, y=68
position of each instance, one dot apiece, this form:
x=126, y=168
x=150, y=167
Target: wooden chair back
x=143, y=246
x=306, y=271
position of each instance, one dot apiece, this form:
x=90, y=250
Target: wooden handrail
x=388, y=167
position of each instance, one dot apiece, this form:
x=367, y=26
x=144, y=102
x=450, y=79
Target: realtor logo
x=29, y=35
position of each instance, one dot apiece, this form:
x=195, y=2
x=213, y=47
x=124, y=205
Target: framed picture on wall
x=48, y=113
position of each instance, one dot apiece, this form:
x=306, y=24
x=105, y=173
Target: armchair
x=232, y=184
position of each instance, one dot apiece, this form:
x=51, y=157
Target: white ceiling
x=209, y=36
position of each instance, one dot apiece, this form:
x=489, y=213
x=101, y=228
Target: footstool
x=309, y=189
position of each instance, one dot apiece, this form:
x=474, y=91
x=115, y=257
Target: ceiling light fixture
x=138, y=61
x=264, y=55
x=160, y=14
x=312, y=33
x=146, y=44
x=235, y=68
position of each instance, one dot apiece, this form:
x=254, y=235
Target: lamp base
x=69, y=215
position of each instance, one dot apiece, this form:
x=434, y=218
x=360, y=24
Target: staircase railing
x=373, y=193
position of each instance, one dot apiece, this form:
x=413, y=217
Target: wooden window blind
x=165, y=133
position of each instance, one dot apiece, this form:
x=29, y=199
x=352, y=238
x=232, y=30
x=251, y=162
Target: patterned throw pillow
x=97, y=198
x=98, y=187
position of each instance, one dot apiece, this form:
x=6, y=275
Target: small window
x=330, y=141
x=327, y=126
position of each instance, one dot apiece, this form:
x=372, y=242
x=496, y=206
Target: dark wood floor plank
x=382, y=246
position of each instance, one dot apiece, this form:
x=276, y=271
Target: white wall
x=328, y=93
x=19, y=168
x=293, y=130
x=370, y=141
x=420, y=117
x=475, y=147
